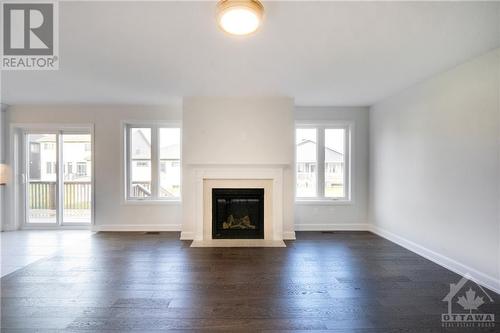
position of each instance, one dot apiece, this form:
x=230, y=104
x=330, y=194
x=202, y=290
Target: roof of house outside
x=306, y=153
x=50, y=138
x=170, y=152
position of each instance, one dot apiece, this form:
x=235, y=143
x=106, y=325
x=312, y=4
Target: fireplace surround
x=237, y=213
x=270, y=179
x=206, y=177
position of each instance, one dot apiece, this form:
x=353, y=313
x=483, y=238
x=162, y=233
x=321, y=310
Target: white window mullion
x=25, y=175
x=321, y=162
x=59, y=179
x=128, y=143
x=347, y=163
x=155, y=163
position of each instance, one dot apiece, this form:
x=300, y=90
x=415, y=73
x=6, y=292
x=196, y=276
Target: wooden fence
x=42, y=195
x=77, y=195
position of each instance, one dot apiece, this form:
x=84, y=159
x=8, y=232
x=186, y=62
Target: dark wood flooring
x=338, y=282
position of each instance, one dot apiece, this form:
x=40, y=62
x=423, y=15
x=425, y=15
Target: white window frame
x=320, y=161
x=155, y=162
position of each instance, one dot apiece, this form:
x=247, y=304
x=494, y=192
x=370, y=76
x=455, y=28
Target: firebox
x=238, y=213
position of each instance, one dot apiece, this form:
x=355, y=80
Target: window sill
x=151, y=202
x=323, y=202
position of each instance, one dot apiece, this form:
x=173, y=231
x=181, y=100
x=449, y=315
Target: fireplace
x=238, y=213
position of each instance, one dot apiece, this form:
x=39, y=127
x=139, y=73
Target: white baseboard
x=333, y=227
x=481, y=278
x=289, y=235
x=137, y=227
x=53, y=228
x=187, y=235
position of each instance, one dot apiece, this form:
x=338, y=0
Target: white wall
x=110, y=211
x=236, y=131
x=328, y=216
x=434, y=168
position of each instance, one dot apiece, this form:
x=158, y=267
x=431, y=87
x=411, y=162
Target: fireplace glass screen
x=238, y=213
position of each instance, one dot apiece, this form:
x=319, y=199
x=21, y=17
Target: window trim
x=155, y=162
x=320, y=127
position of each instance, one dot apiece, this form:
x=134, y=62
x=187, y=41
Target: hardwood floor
x=339, y=282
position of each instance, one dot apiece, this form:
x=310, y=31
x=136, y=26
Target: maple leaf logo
x=470, y=301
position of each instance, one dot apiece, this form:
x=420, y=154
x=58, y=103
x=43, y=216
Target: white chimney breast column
x=240, y=139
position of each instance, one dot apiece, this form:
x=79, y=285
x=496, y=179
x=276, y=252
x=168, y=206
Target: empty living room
x=249, y=166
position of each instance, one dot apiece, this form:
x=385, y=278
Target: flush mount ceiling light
x=239, y=17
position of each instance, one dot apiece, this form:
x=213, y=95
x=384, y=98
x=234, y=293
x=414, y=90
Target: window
x=322, y=157
x=49, y=167
x=170, y=154
x=307, y=159
x=34, y=148
x=153, y=162
x=81, y=169
x=335, y=153
x=49, y=146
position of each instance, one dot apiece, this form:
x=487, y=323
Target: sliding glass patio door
x=58, y=178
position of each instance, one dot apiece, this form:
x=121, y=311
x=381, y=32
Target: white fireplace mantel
x=273, y=173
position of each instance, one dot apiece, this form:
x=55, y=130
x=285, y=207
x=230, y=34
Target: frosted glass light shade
x=239, y=17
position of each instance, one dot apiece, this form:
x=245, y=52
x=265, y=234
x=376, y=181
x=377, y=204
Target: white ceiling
x=320, y=53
